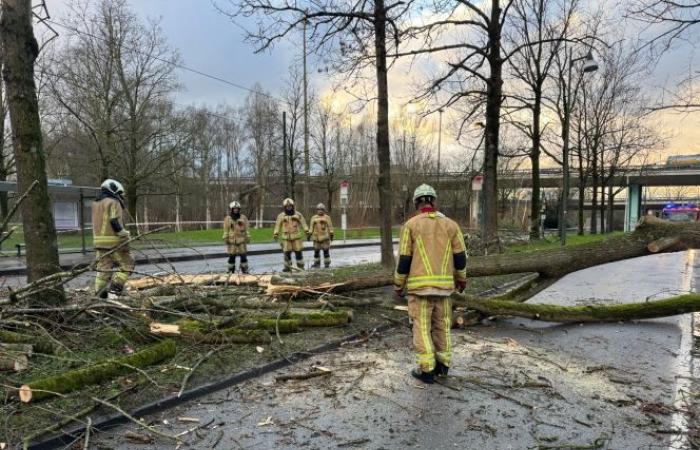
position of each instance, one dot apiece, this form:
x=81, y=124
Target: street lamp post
x=589, y=65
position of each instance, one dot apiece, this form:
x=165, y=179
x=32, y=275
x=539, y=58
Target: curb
x=161, y=259
x=69, y=437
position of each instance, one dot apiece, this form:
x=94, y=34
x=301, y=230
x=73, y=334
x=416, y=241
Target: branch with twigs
x=4, y=234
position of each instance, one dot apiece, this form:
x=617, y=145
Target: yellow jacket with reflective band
x=290, y=228
x=236, y=230
x=104, y=210
x=321, y=227
x=431, y=239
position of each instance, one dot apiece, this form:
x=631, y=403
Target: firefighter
x=109, y=240
x=432, y=263
x=236, y=236
x=321, y=232
x=291, y=228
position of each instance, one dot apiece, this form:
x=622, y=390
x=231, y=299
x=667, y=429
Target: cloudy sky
x=212, y=43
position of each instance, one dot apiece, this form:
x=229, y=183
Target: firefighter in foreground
x=236, y=236
x=291, y=229
x=432, y=263
x=321, y=232
x=109, y=239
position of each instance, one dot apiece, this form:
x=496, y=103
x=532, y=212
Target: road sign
x=344, y=188
x=477, y=182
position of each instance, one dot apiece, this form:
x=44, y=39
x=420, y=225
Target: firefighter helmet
x=234, y=204
x=424, y=190
x=288, y=202
x=321, y=207
x=112, y=186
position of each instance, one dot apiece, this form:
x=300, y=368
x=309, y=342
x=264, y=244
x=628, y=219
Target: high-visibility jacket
x=236, y=230
x=432, y=255
x=321, y=227
x=290, y=227
x=107, y=221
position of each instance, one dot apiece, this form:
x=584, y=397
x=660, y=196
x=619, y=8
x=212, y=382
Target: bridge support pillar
x=633, y=207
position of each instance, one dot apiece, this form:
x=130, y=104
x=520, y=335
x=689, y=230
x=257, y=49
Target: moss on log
x=322, y=319
x=207, y=333
x=40, y=344
x=76, y=379
x=284, y=325
x=560, y=261
x=672, y=306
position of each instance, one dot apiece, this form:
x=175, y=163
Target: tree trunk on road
x=20, y=52
x=560, y=261
x=673, y=306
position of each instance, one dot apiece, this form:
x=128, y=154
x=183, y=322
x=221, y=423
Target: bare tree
x=331, y=24
x=20, y=50
x=115, y=80
x=543, y=26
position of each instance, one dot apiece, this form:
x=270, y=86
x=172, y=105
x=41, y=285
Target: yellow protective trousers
x=432, y=320
x=121, y=260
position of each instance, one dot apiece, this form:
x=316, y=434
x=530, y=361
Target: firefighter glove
x=124, y=233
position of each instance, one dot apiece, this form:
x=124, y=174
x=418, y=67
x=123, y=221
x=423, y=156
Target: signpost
x=477, y=183
x=344, y=188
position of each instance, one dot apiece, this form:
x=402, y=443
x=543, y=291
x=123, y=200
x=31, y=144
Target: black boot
x=425, y=377
x=441, y=369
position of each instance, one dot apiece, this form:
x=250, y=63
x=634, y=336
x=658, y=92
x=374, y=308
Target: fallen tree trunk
x=24, y=349
x=41, y=345
x=672, y=306
x=73, y=380
x=560, y=261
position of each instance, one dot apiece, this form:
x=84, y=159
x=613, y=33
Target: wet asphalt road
x=258, y=264
x=517, y=384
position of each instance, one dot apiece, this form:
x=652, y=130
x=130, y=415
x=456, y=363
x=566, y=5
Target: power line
x=167, y=61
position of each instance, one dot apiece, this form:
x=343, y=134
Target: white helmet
x=234, y=204
x=321, y=207
x=112, y=186
x=287, y=202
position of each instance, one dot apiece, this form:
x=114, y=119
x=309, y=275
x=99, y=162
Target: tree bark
x=494, y=98
x=20, y=52
x=560, y=261
x=73, y=380
x=589, y=313
x=383, y=150
x=535, y=162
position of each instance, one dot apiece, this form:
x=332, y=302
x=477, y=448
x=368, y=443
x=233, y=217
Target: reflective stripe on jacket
x=321, y=227
x=103, y=211
x=236, y=230
x=291, y=228
x=429, y=245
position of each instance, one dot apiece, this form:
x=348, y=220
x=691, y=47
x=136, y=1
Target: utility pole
x=307, y=165
x=285, y=174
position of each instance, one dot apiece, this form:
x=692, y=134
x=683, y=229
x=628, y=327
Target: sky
x=212, y=43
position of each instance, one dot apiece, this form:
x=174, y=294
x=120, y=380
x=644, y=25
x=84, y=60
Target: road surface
x=517, y=383
x=258, y=264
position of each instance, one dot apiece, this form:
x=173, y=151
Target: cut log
x=165, y=329
x=465, y=318
x=17, y=363
x=207, y=333
x=560, y=261
x=40, y=344
x=207, y=279
x=663, y=244
x=672, y=306
x=73, y=380
x=22, y=349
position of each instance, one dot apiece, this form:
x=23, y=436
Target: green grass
x=572, y=239
x=170, y=239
